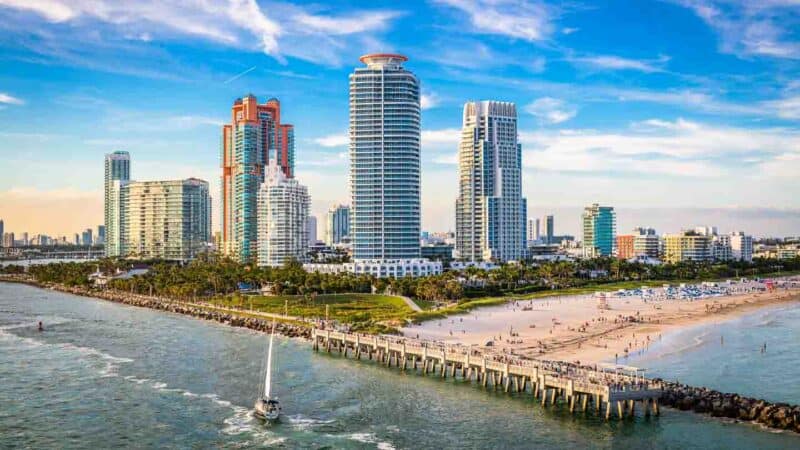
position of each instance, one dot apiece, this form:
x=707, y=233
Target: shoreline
x=219, y=315
x=574, y=329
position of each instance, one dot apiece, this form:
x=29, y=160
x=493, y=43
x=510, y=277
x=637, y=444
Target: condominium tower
x=167, y=219
x=117, y=173
x=599, y=231
x=254, y=138
x=337, y=224
x=490, y=209
x=282, y=219
x=384, y=159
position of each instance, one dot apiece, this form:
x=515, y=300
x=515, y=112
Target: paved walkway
x=411, y=304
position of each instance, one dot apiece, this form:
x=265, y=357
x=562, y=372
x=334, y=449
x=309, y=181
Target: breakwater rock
x=781, y=416
x=169, y=305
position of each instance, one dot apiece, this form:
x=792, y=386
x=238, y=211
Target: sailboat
x=266, y=407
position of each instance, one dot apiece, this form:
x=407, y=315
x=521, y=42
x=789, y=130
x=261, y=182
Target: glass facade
x=384, y=159
x=117, y=173
x=599, y=231
x=490, y=209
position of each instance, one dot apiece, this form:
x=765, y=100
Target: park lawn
x=365, y=312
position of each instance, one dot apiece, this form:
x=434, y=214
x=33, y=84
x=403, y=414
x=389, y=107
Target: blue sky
x=648, y=106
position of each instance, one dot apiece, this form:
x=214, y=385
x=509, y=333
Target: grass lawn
x=365, y=312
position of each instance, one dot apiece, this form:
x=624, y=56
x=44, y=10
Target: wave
x=370, y=438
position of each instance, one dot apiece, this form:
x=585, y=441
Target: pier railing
x=578, y=386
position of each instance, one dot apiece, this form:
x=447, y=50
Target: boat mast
x=268, y=380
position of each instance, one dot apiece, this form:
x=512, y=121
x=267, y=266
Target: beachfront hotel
x=117, y=172
x=490, y=209
x=599, y=231
x=688, y=246
x=254, y=137
x=282, y=219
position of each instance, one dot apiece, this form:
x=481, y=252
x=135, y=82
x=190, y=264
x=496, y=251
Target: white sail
x=268, y=380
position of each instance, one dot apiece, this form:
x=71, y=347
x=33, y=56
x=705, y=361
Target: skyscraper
x=337, y=224
x=599, y=231
x=490, y=209
x=384, y=159
x=534, y=229
x=282, y=219
x=101, y=235
x=167, y=219
x=86, y=237
x=549, y=230
x=117, y=173
x=2, y=233
x=254, y=138
x=311, y=226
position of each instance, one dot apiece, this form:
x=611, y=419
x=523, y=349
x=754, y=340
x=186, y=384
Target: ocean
x=104, y=375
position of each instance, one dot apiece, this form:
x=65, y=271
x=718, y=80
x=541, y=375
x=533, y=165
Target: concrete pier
x=610, y=391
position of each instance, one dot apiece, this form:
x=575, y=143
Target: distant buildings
x=625, y=246
x=337, y=225
x=646, y=243
x=549, y=230
x=687, y=246
x=117, y=174
x=741, y=246
x=534, y=229
x=599, y=231
x=253, y=139
x=86, y=237
x=2, y=233
x=490, y=210
x=8, y=239
x=437, y=252
x=311, y=230
x=283, y=220
x=101, y=235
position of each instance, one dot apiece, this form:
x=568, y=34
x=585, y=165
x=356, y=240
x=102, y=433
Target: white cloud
x=551, y=110
x=356, y=23
x=429, y=100
x=527, y=20
x=786, y=108
x=677, y=148
x=568, y=30
x=747, y=27
x=10, y=100
x=443, y=137
x=333, y=140
x=611, y=62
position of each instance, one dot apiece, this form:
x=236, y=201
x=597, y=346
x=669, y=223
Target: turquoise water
x=104, y=375
x=727, y=356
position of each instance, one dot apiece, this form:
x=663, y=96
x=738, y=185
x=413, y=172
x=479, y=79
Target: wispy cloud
x=785, y=108
x=519, y=19
x=762, y=28
x=611, y=62
x=239, y=75
x=333, y=140
x=349, y=24
x=10, y=100
x=551, y=110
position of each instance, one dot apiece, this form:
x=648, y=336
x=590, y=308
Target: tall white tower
x=384, y=159
x=490, y=209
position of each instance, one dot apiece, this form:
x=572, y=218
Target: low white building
x=282, y=219
x=741, y=246
x=397, y=268
x=462, y=265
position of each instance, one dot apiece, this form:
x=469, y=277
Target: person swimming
x=41, y=327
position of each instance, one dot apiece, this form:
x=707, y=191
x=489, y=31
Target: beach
x=580, y=328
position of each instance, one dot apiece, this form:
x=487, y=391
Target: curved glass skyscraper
x=384, y=159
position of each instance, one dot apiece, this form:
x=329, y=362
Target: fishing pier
x=609, y=392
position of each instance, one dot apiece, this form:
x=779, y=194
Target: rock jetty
x=164, y=304
x=781, y=416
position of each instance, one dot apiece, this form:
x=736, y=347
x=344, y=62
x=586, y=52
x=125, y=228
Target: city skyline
x=633, y=126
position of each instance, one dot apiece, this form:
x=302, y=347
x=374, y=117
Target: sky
x=677, y=112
